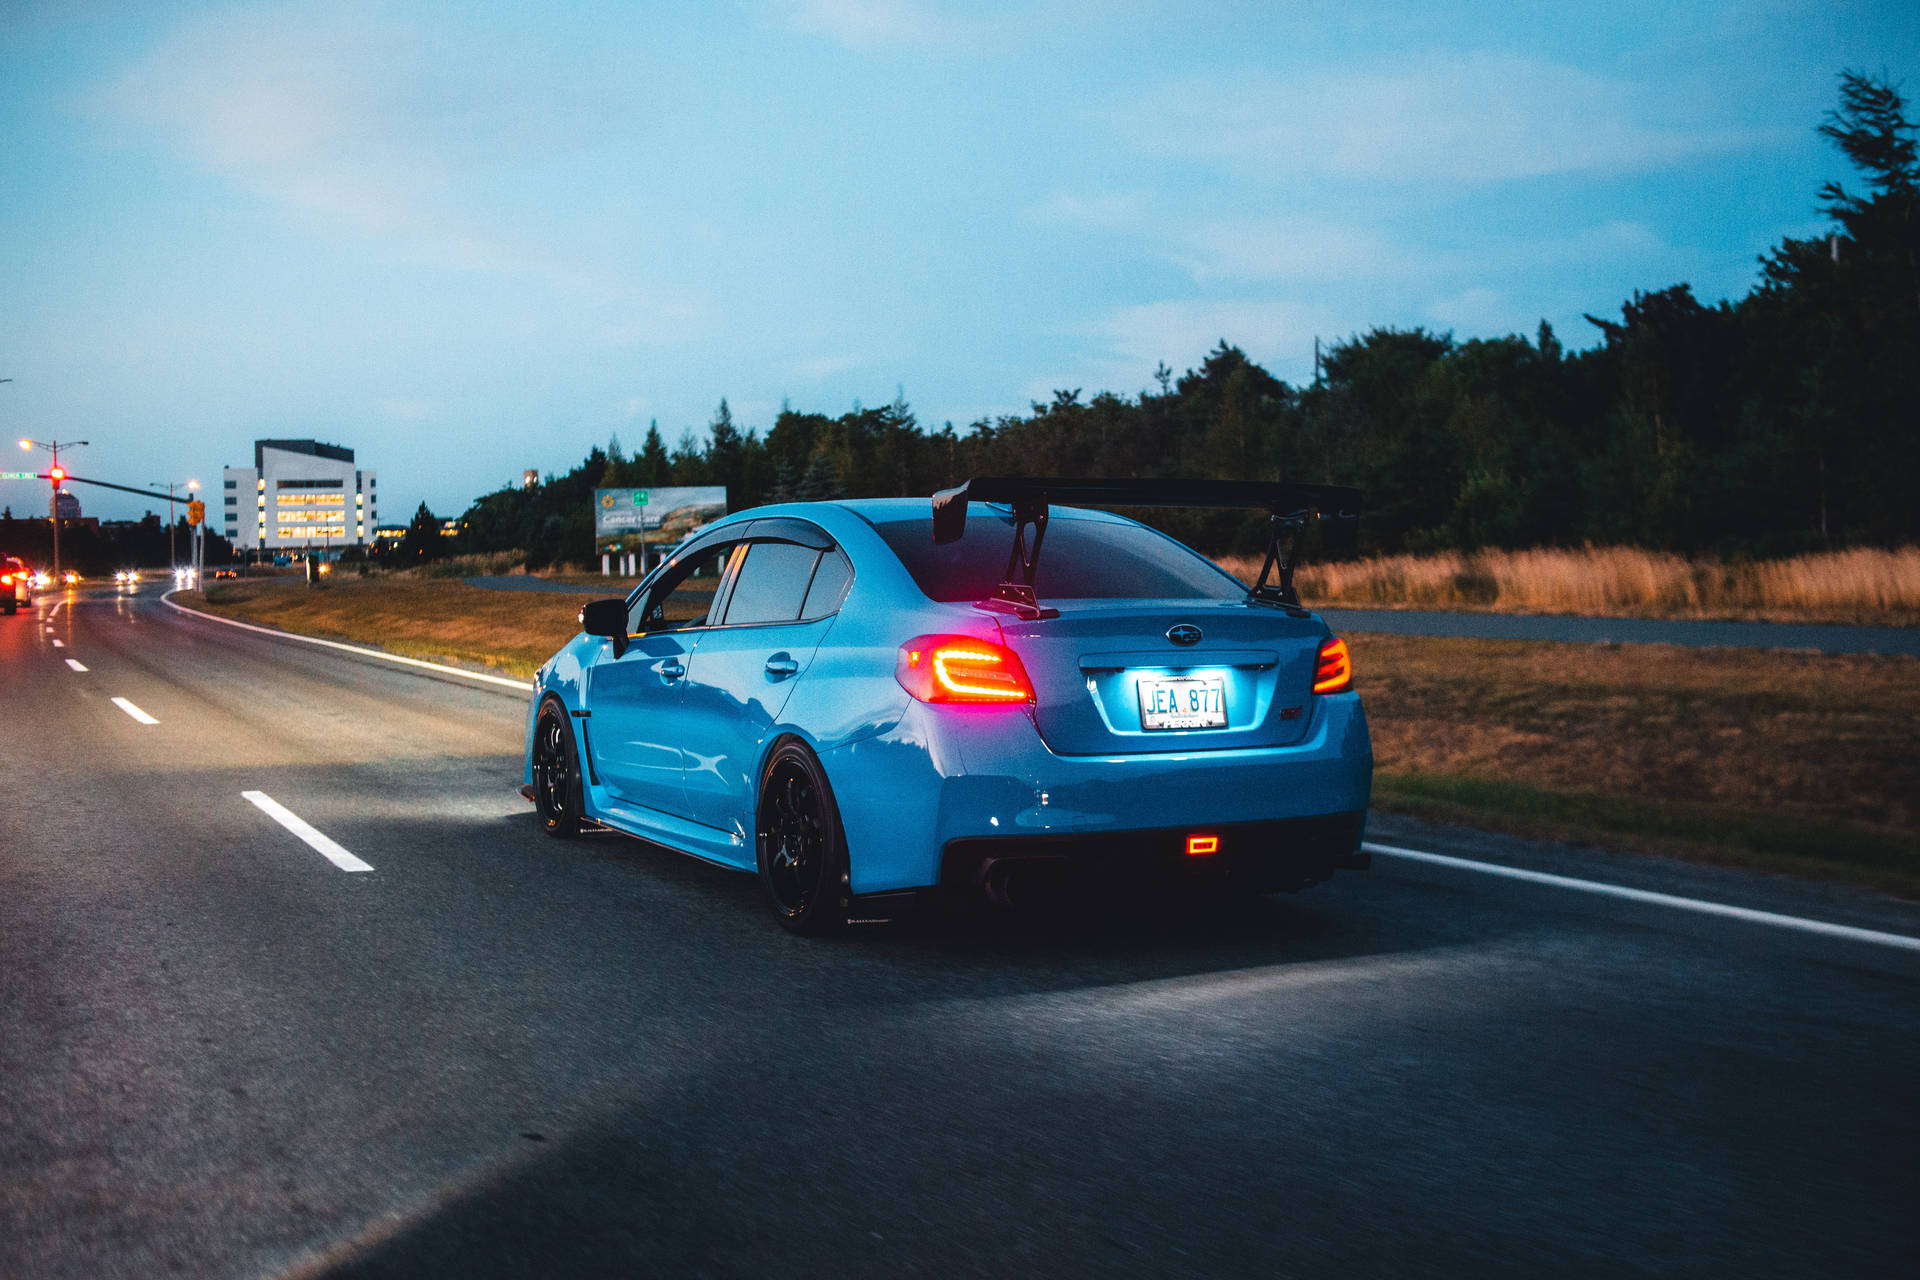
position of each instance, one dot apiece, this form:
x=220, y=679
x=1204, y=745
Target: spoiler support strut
x=1291, y=509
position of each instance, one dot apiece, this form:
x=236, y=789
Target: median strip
x=292, y=821
x=75, y=665
x=1773, y=918
x=133, y=711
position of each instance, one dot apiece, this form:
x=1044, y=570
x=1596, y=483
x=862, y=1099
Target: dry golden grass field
x=1786, y=761
x=1865, y=585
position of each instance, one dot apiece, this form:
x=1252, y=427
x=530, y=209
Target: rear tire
x=556, y=772
x=802, y=851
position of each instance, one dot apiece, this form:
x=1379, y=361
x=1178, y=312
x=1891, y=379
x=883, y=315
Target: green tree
x=423, y=542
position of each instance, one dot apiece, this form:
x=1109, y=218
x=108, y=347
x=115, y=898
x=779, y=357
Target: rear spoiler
x=1290, y=508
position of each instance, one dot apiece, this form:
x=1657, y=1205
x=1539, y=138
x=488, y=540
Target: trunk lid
x=1104, y=671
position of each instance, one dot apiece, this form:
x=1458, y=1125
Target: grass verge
x=1779, y=761
x=440, y=618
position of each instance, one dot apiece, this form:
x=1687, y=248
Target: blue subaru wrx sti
x=864, y=701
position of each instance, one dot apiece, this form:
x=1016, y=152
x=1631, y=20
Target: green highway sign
x=639, y=497
x=18, y=475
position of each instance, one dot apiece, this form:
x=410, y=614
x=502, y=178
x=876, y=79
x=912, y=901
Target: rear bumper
x=951, y=786
x=1256, y=857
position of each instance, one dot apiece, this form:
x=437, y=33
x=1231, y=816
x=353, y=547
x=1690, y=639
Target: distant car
x=71, y=578
x=865, y=701
x=16, y=585
x=126, y=577
x=226, y=573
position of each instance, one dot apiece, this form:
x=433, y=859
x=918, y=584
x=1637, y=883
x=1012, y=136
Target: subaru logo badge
x=1183, y=633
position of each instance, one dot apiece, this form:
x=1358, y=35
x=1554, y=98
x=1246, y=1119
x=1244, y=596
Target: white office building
x=299, y=495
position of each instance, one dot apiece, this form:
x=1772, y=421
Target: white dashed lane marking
x=75, y=665
x=327, y=849
x=134, y=711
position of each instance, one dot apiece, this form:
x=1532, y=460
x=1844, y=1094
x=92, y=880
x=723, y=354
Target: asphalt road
x=494, y=1054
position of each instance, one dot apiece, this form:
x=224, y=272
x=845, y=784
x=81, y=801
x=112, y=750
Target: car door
x=779, y=604
x=634, y=699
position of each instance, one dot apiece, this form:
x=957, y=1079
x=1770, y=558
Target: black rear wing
x=1291, y=509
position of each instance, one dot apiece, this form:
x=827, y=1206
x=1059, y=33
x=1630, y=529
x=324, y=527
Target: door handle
x=780, y=666
x=671, y=669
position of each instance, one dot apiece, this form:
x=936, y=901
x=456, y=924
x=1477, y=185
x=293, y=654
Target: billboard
x=622, y=517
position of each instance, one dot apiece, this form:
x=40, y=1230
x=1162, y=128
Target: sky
x=467, y=239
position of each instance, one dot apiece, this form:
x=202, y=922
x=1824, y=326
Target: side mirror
x=606, y=618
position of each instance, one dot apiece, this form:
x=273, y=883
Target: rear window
x=1079, y=560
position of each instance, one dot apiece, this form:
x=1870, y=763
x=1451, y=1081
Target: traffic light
x=196, y=511
x=56, y=474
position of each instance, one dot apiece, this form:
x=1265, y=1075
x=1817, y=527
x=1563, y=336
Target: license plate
x=1183, y=702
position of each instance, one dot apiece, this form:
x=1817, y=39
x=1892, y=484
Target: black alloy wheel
x=802, y=854
x=556, y=772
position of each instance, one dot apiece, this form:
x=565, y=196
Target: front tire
x=802, y=851
x=556, y=773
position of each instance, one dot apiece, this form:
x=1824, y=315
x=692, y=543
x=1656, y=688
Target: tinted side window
x=829, y=587
x=772, y=583
x=684, y=598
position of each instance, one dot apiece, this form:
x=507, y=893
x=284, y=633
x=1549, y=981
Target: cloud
x=407, y=410
x=1111, y=211
x=1289, y=249
x=1181, y=332
x=1212, y=250
x=1478, y=310
x=873, y=24
x=365, y=125
x=822, y=367
x=1439, y=117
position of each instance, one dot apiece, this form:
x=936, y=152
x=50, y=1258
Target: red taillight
x=1333, y=673
x=1200, y=846
x=962, y=669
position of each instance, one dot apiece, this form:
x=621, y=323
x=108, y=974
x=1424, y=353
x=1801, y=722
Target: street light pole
x=173, y=555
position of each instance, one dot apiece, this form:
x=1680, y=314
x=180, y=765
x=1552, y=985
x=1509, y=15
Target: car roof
x=895, y=510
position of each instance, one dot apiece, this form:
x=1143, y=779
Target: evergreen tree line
x=1786, y=421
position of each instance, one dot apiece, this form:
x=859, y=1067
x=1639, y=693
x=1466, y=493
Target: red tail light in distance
x=1333, y=673
x=962, y=669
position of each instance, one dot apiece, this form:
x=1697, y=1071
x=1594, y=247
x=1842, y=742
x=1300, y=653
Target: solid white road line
x=524, y=686
x=134, y=711
x=59, y=644
x=327, y=849
x=1701, y=905
x=75, y=665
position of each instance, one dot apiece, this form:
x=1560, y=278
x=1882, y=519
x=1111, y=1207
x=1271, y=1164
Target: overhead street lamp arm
x=70, y=478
